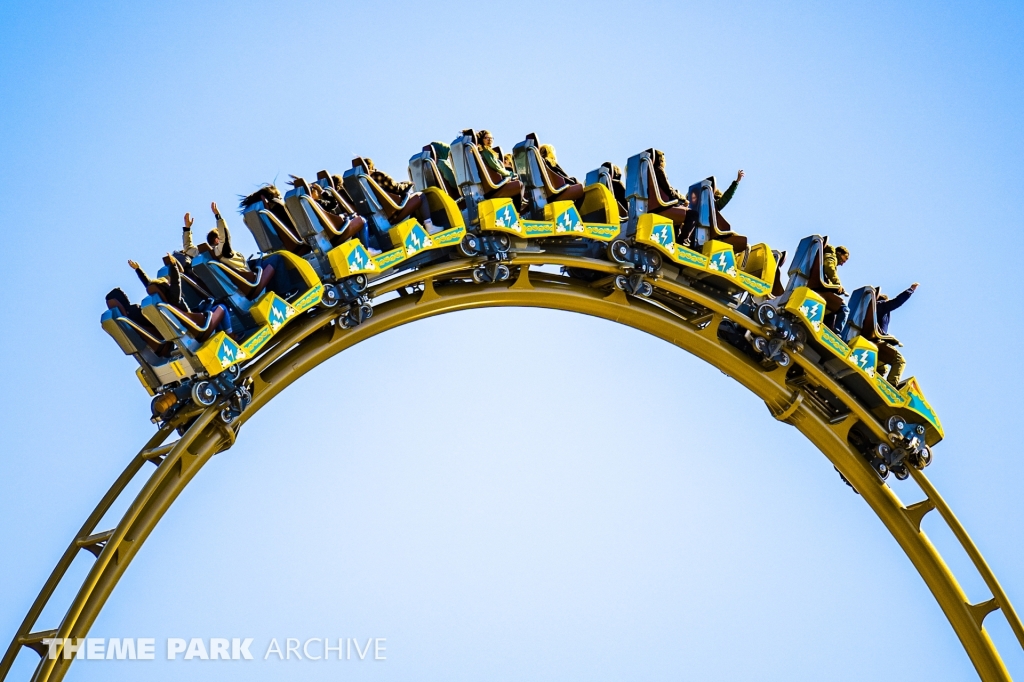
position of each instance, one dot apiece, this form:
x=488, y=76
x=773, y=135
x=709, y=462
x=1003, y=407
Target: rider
x=723, y=198
x=219, y=240
x=664, y=185
x=443, y=155
x=403, y=194
x=833, y=258
x=491, y=158
x=547, y=152
x=887, y=353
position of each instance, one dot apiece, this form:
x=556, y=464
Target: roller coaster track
x=680, y=312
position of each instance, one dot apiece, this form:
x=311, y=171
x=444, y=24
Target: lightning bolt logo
x=812, y=311
x=279, y=313
x=660, y=235
x=506, y=218
x=864, y=360
x=417, y=240
x=568, y=222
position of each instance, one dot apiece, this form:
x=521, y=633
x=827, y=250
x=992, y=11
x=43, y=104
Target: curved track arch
x=678, y=313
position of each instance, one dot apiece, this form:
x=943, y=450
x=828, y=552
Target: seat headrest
x=324, y=175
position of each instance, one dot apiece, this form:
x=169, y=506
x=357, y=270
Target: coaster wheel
x=204, y=394
x=766, y=314
x=618, y=251
x=922, y=458
x=470, y=246
x=331, y=297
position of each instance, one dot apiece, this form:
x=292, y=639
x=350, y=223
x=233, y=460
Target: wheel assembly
x=469, y=246
x=766, y=314
x=618, y=251
x=204, y=394
x=330, y=297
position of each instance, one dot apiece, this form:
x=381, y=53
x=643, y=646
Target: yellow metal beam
x=309, y=342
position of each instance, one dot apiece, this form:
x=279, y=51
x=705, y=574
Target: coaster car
x=862, y=328
x=401, y=242
x=807, y=293
x=337, y=254
x=491, y=206
x=428, y=172
x=477, y=182
x=176, y=369
x=650, y=235
x=558, y=208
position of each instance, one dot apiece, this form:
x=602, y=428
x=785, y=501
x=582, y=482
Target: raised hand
x=914, y=286
x=213, y=207
x=132, y=264
x=739, y=175
x=188, y=221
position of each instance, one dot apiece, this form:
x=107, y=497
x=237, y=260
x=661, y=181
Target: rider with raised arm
x=187, y=247
x=219, y=240
x=723, y=198
x=887, y=353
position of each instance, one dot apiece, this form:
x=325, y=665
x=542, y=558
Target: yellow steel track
x=681, y=313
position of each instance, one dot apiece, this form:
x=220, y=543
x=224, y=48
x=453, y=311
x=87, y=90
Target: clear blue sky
x=550, y=533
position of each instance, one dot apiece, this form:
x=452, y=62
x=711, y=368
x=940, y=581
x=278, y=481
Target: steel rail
x=310, y=341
